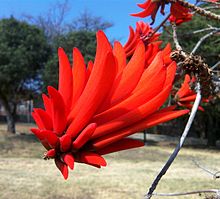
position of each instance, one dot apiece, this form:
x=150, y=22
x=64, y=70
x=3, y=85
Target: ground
x=128, y=175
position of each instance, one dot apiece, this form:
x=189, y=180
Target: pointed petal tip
x=69, y=160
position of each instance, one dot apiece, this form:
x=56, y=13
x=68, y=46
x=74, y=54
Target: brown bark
x=10, y=111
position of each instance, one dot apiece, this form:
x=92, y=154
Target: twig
x=180, y=144
x=203, y=39
x=175, y=39
x=216, y=191
x=157, y=28
x=216, y=65
x=204, y=29
x=213, y=174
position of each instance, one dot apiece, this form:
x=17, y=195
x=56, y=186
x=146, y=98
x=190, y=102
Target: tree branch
x=216, y=191
x=216, y=65
x=175, y=39
x=203, y=39
x=215, y=175
x=179, y=146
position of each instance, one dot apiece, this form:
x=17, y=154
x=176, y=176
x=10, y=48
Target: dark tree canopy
x=23, y=51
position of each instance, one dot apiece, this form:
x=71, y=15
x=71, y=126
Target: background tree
x=87, y=22
x=23, y=51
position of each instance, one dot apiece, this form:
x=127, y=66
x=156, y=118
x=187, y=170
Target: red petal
x=92, y=158
x=51, y=138
x=79, y=74
x=65, y=143
x=171, y=71
x=51, y=153
x=140, y=97
x=130, y=75
x=84, y=136
x=47, y=104
x=188, y=98
x=152, y=120
x=155, y=66
x=65, y=79
x=130, y=39
x=147, y=11
x=59, y=114
x=69, y=160
x=41, y=136
x=97, y=87
x=43, y=119
x=133, y=116
x=120, y=55
x=124, y=144
x=38, y=120
x=89, y=69
x=62, y=167
x=145, y=4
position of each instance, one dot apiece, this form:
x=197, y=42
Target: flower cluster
x=179, y=14
x=96, y=107
x=185, y=95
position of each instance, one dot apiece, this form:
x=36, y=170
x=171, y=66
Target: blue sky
x=115, y=11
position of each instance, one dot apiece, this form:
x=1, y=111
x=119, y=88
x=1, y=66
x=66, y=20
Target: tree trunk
x=10, y=111
x=10, y=123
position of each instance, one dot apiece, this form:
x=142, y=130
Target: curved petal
x=133, y=116
x=68, y=159
x=62, y=167
x=130, y=75
x=42, y=119
x=65, y=79
x=123, y=144
x=84, y=136
x=92, y=158
x=47, y=104
x=151, y=87
x=152, y=120
x=120, y=55
x=58, y=109
x=98, y=86
x=41, y=136
x=79, y=75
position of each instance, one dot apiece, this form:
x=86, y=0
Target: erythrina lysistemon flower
x=150, y=8
x=96, y=108
x=145, y=33
x=185, y=95
x=142, y=32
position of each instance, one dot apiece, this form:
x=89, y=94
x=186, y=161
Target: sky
x=115, y=11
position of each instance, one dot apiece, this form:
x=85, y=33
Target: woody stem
x=179, y=145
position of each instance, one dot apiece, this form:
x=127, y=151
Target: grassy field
x=25, y=175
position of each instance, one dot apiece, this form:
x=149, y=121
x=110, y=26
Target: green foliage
x=23, y=51
x=85, y=41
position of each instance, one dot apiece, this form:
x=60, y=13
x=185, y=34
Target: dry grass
x=23, y=174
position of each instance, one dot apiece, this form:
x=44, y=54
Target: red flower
x=180, y=14
x=143, y=32
x=95, y=109
x=150, y=8
x=186, y=96
x=152, y=44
